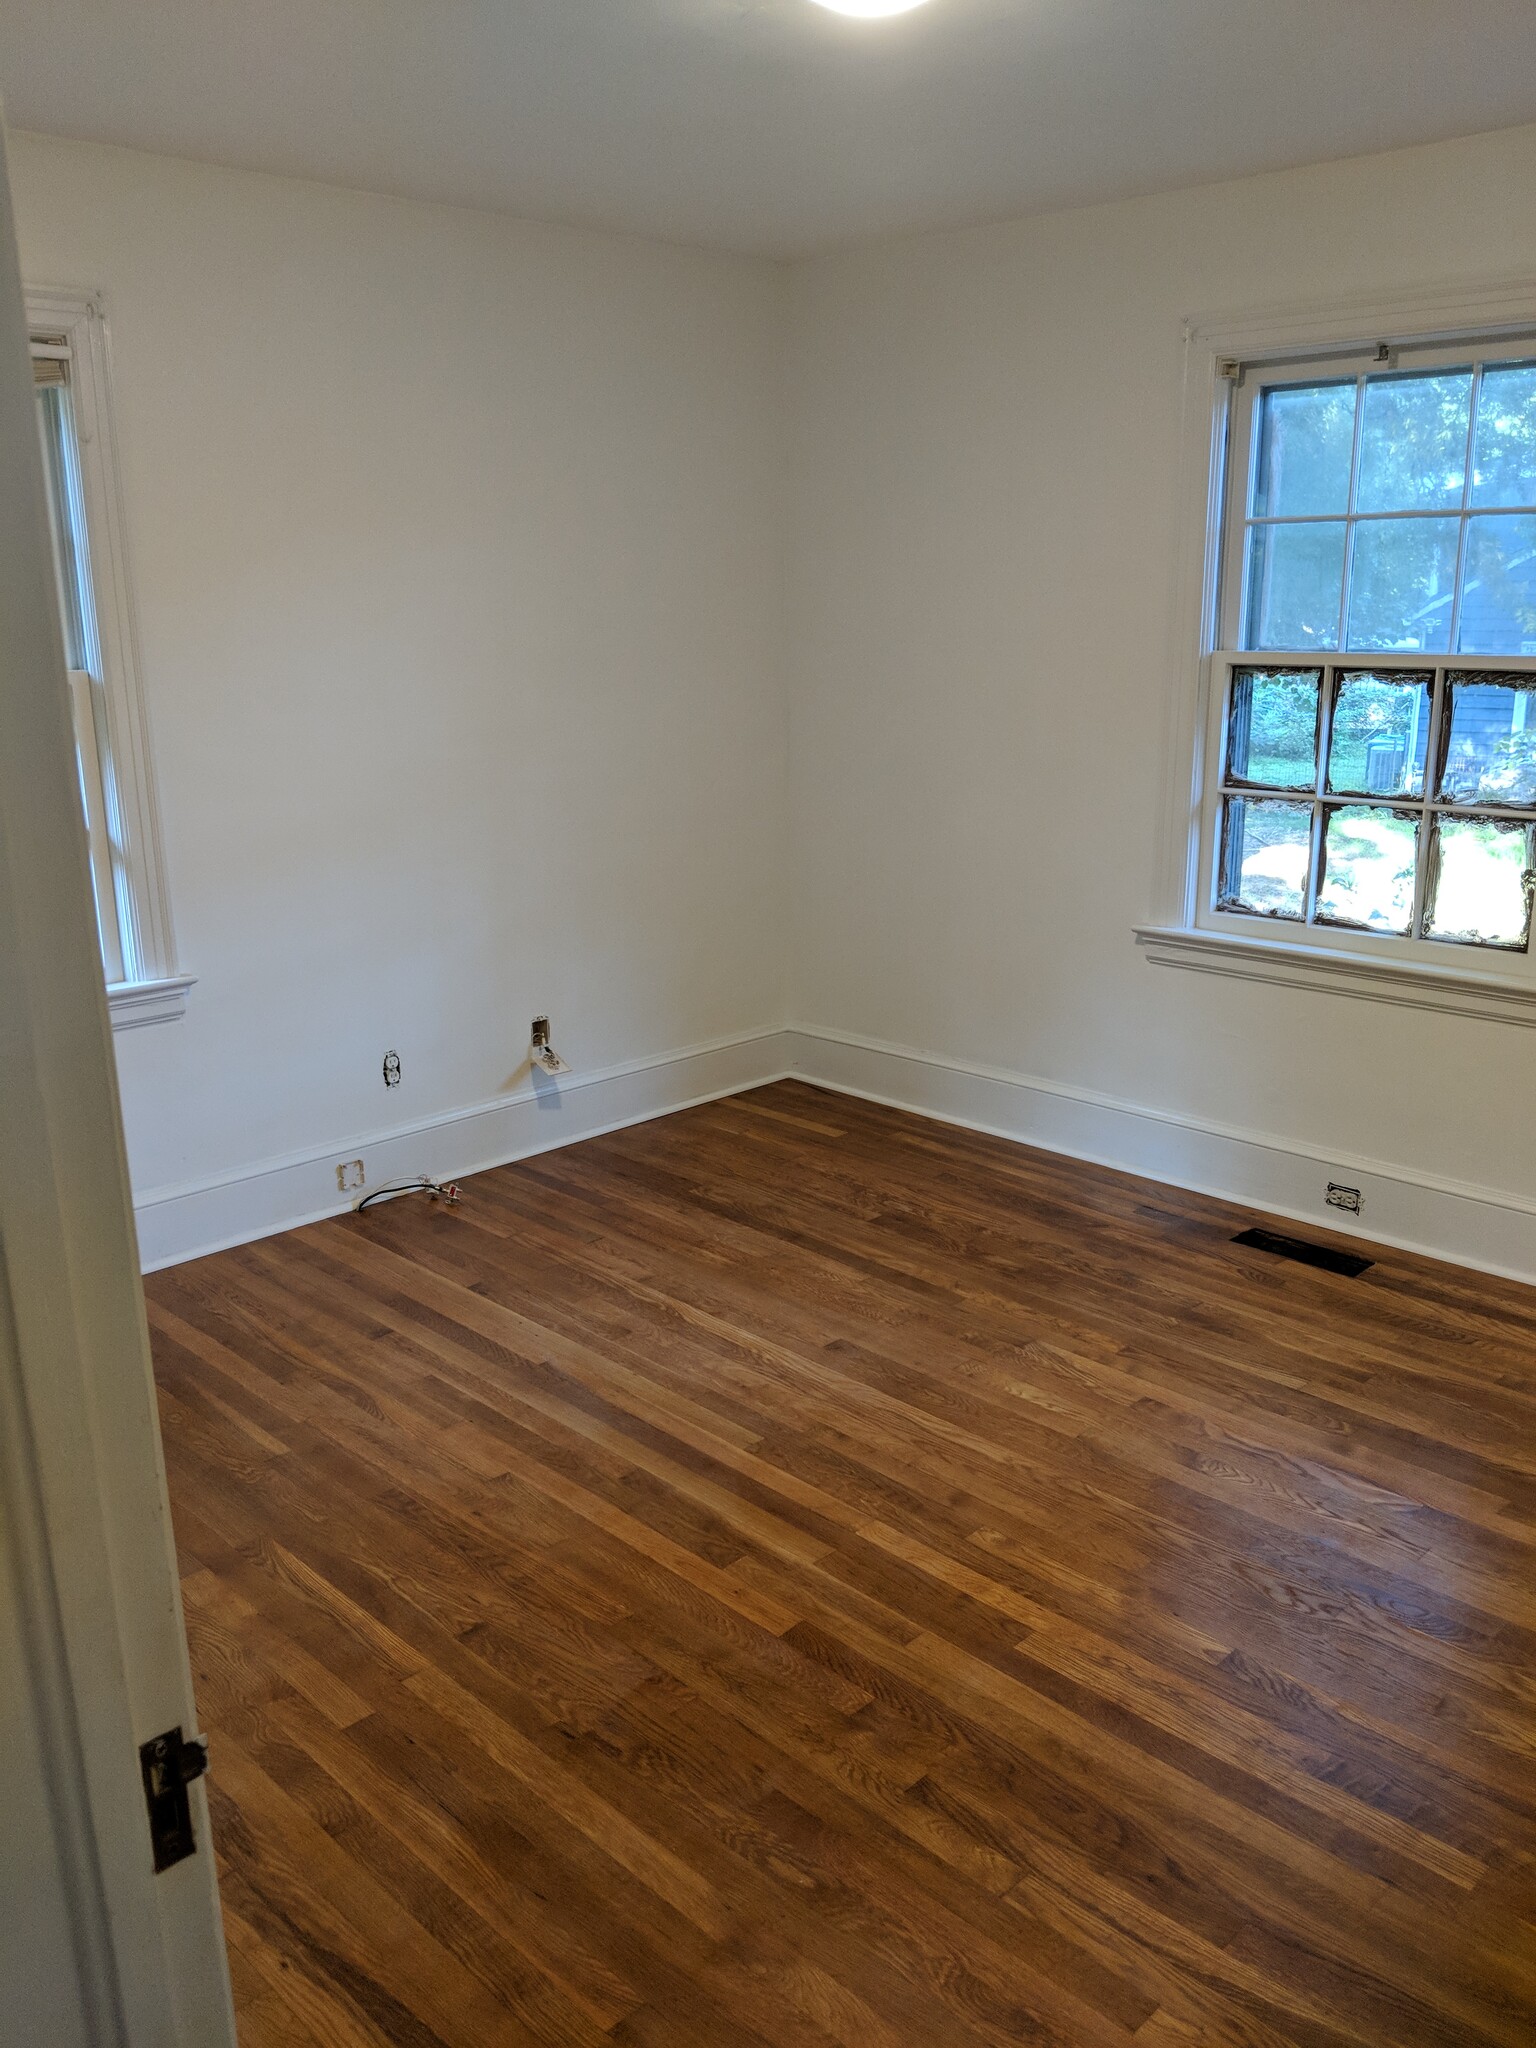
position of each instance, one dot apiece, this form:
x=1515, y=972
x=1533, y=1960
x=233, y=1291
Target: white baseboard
x=180, y=1223
x=1490, y=1229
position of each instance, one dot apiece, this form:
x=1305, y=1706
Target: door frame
x=81, y=1479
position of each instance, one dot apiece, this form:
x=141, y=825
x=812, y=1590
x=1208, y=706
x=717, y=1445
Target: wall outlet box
x=1341, y=1197
x=349, y=1175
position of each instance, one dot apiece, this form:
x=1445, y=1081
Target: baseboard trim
x=187, y=1222
x=1489, y=1229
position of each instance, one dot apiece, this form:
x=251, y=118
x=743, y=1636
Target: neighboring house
x=1496, y=618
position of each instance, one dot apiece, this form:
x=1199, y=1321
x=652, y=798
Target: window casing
x=1368, y=763
x=70, y=376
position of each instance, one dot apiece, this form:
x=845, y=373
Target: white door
x=95, y=1948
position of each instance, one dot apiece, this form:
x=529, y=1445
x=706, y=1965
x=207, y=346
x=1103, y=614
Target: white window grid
x=1231, y=521
x=1352, y=519
x=1425, y=808
x=1242, y=462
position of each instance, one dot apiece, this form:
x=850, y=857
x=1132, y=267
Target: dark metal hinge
x=169, y=1764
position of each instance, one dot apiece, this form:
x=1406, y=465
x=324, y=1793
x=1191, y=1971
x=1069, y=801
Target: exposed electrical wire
x=435, y=1191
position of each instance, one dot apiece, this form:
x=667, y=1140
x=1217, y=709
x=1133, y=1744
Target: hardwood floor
x=796, y=1576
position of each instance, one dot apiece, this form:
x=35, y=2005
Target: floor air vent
x=1350, y=1264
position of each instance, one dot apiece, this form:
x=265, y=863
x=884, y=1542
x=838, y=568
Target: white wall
x=455, y=542
x=983, y=574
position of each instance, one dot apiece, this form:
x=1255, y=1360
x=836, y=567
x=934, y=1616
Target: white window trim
x=154, y=991
x=1173, y=935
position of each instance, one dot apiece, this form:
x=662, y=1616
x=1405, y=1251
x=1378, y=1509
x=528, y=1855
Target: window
x=66, y=525
x=1393, y=801
x=1391, y=512
x=69, y=377
x=1368, y=762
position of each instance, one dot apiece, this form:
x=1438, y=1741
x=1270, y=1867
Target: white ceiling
x=767, y=125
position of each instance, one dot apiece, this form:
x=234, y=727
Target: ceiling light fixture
x=871, y=10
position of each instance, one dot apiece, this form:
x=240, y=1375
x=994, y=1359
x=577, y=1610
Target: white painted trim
x=1341, y=973
x=185, y=1222
x=80, y=1469
x=1204, y=420
x=132, y=1003
x=1490, y=1229
x=1447, y=312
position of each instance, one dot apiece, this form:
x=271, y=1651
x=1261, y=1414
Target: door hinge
x=169, y=1764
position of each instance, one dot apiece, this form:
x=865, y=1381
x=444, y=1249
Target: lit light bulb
x=870, y=10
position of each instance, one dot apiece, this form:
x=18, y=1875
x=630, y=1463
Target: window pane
x=1380, y=733
x=1272, y=731
x=1266, y=848
x=1400, y=589
x=1491, y=755
x=1498, y=598
x=58, y=479
x=1413, y=443
x=1369, y=857
x=1504, y=467
x=1480, y=896
x=1306, y=442
x=1295, y=576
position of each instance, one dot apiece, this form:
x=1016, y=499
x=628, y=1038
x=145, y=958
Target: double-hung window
x=84, y=525
x=1368, y=764
x=71, y=562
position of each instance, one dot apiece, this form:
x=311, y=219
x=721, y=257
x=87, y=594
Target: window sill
x=1346, y=974
x=132, y=1003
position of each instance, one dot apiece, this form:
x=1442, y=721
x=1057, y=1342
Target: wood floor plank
x=796, y=1574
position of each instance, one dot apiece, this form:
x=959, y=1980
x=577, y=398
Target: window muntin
x=1376, y=750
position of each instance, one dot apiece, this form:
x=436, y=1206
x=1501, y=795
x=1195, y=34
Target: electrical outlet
x=391, y=1070
x=543, y=1055
x=349, y=1175
x=1340, y=1197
